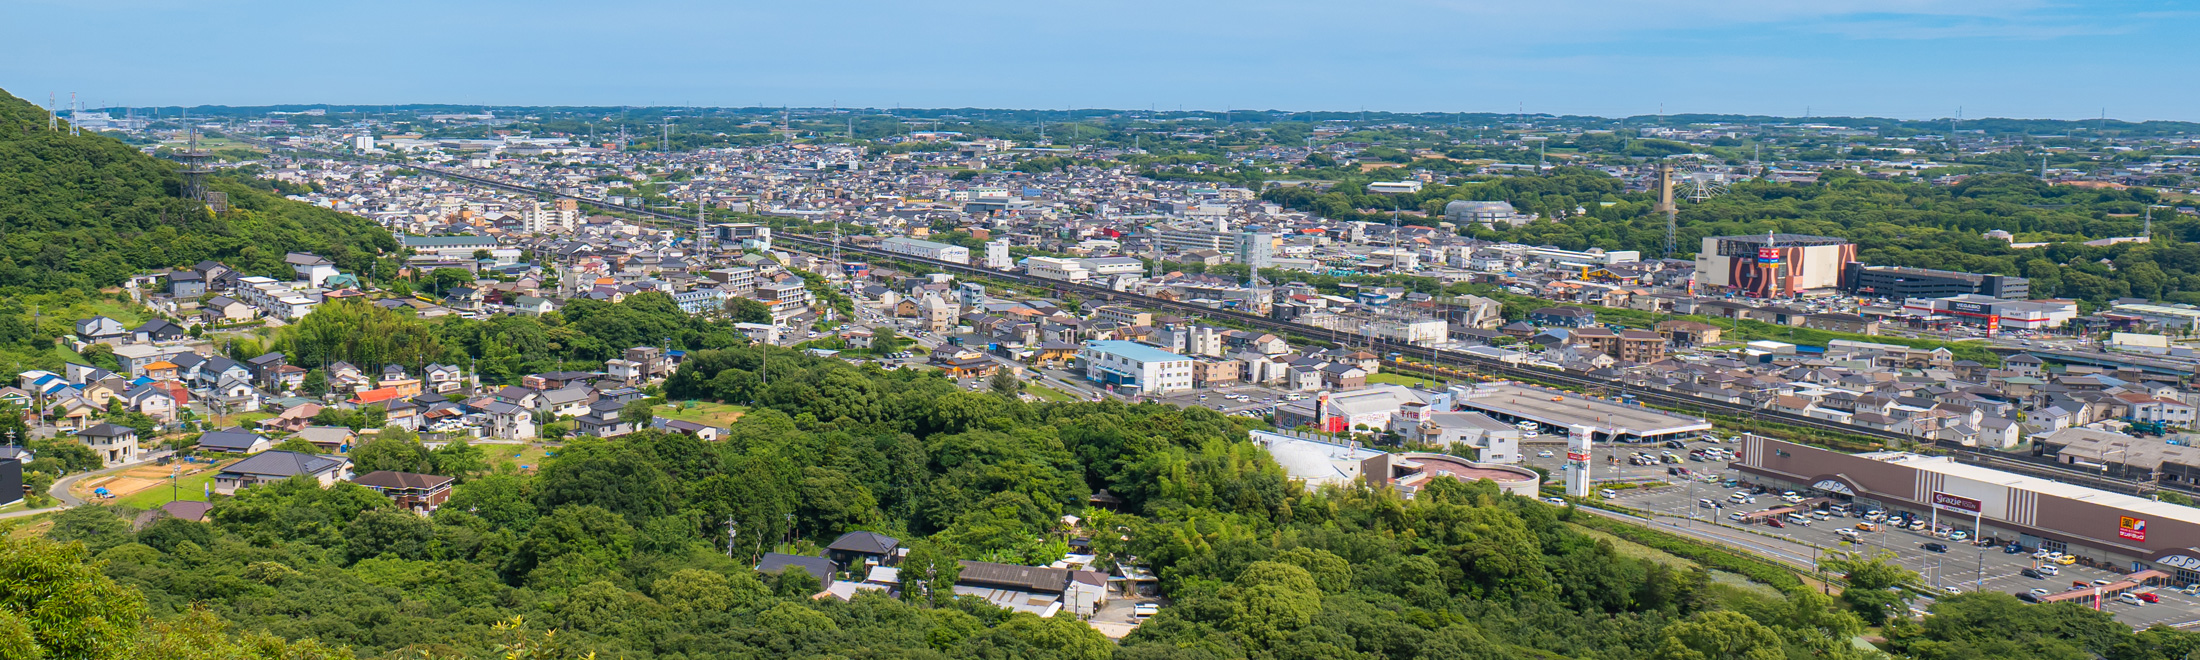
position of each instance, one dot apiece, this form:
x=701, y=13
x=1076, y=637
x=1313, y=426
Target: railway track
x=1432, y=356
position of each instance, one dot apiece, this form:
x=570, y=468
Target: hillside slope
x=89, y=211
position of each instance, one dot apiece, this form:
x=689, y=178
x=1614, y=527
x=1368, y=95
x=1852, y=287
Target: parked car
x=1867, y=526
x=2067, y=560
x=1541, y=454
x=2050, y=570
x=2150, y=597
x=2080, y=584
x=1935, y=547
x=2129, y=599
x=1608, y=493
x=2032, y=573
x=1775, y=522
x=2040, y=592
x=2012, y=549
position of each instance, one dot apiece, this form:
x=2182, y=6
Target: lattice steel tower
x=195, y=167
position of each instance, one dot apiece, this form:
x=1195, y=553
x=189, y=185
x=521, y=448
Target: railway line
x=1432, y=356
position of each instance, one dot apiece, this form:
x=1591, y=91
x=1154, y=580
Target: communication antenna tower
x=195, y=168
x=53, y=119
x=1665, y=205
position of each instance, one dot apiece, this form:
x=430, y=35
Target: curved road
x=60, y=489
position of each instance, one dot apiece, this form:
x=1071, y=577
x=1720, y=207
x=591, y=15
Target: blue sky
x=1899, y=58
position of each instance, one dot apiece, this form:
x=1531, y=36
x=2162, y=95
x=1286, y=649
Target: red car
x=2149, y=597
x=1775, y=522
x=2080, y=584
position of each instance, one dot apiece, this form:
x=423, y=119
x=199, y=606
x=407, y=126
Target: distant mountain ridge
x=89, y=211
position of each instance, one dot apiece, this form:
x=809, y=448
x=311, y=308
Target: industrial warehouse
x=2101, y=528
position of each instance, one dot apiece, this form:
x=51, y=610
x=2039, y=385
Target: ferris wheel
x=1703, y=185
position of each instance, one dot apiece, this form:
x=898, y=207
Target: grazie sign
x=1956, y=502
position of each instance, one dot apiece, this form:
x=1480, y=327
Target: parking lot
x=1964, y=566
x=1609, y=462
x=1255, y=400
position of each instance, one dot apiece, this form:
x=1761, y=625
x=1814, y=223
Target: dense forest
x=89, y=211
x=1895, y=224
x=620, y=547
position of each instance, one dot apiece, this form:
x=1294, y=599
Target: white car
x=1608, y=493
x=1555, y=500
x=1543, y=454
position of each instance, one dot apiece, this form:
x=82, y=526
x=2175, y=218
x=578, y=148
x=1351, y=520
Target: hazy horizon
x=1912, y=60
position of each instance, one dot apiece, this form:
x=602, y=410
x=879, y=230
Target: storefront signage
x=1956, y=502
x=1832, y=486
x=1577, y=457
x=1768, y=255
x=2131, y=528
x=1974, y=308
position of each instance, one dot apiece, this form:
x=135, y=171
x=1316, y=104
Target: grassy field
x=703, y=412
x=1389, y=378
x=1637, y=550
x=192, y=487
x=525, y=457
x=129, y=314
x=244, y=419
x=1049, y=393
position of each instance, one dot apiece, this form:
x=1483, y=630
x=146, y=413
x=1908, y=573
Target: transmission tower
x=195, y=166
x=76, y=115
x=53, y=119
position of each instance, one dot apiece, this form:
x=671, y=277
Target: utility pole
x=733, y=530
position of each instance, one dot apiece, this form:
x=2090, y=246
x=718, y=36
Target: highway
x=1672, y=400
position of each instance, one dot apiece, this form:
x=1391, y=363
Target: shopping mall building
x=2100, y=527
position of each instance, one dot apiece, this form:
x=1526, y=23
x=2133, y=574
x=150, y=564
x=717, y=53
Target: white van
x=1142, y=612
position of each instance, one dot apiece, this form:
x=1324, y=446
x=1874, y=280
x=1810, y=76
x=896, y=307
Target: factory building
x=926, y=250
x=1773, y=265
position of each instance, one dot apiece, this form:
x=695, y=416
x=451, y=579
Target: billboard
x=1967, y=307
x=2131, y=528
x=1768, y=255
x=1953, y=502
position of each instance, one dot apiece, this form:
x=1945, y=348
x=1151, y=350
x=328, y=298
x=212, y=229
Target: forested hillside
x=620, y=546
x=1895, y=224
x=88, y=211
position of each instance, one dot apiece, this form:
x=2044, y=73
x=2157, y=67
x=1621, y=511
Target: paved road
x=60, y=490
x=1784, y=551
